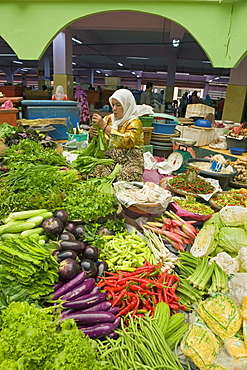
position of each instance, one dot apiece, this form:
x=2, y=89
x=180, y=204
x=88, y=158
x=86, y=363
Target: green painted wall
x=219, y=27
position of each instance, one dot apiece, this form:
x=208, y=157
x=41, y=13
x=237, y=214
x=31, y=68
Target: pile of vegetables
x=139, y=292
x=146, y=343
x=191, y=184
x=30, y=152
x=191, y=205
x=174, y=229
x=233, y=197
x=32, y=338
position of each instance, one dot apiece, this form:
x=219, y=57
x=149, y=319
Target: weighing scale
x=177, y=158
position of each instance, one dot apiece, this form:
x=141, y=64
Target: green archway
x=219, y=27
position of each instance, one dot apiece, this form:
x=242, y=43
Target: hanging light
x=175, y=42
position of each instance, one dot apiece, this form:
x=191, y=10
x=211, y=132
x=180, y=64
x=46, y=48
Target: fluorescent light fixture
x=175, y=42
x=7, y=55
x=120, y=64
x=17, y=62
x=137, y=76
x=217, y=78
x=98, y=71
x=106, y=75
x=182, y=74
x=210, y=80
x=161, y=72
x=137, y=58
x=77, y=41
x=133, y=73
x=74, y=64
x=206, y=61
x=24, y=69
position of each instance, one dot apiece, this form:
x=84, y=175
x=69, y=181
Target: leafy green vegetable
x=29, y=152
x=232, y=239
x=6, y=130
x=27, y=265
x=40, y=186
x=86, y=164
x=31, y=338
x=96, y=147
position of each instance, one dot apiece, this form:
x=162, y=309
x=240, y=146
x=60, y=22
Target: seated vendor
x=124, y=134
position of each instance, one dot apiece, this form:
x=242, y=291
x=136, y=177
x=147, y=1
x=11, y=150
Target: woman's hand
x=97, y=120
x=93, y=132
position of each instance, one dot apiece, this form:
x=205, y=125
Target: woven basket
x=147, y=131
x=213, y=204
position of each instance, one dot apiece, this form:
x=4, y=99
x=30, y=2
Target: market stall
x=169, y=292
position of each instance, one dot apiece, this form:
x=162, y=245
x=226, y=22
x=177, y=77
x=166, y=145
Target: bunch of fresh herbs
x=29, y=152
x=22, y=133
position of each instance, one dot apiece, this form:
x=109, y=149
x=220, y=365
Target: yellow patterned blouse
x=129, y=135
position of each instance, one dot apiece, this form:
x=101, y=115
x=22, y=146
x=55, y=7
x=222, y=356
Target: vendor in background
x=123, y=131
x=81, y=97
x=194, y=98
x=59, y=95
x=183, y=105
x=147, y=95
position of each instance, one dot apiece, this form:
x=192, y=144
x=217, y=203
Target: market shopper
x=147, y=95
x=124, y=134
x=81, y=97
x=60, y=95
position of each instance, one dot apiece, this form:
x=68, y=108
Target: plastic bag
x=7, y=105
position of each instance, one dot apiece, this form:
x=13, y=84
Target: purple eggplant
x=79, y=232
x=58, y=285
x=62, y=255
x=117, y=322
x=75, y=245
x=80, y=290
x=91, y=253
x=86, y=301
x=101, y=306
x=53, y=225
x=70, y=227
x=101, y=268
x=113, y=335
x=68, y=269
x=96, y=317
x=65, y=288
x=90, y=267
x=95, y=290
x=98, y=331
x=66, y=236
x=113, y=310
x=62, y=214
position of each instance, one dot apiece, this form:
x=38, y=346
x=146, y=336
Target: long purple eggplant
x=65, y=288
x=102, y=306
x=58, y=285
x=117, y=322
x=113, y=335
x=75, y=245
x=113, y=310
x=97, y=317
x=98, y=331
x=80, y=290
x=86, y=301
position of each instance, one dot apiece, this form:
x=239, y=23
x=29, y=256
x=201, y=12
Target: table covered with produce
x=82, y=288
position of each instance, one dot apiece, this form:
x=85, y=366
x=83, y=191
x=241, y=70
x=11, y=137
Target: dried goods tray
x=181, y=192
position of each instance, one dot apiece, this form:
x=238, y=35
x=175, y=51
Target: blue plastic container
x=203, y=123
x=34, y=109
x=236, y=151
x=164, y=128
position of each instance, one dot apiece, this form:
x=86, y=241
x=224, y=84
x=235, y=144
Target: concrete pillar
x=171, y=74
x=10, y=72
x=44, y=74
x=236, y=93
x=90, y=76
x=62, y=62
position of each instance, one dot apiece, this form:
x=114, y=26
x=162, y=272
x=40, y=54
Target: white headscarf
x=60, y=92
x=127, y=100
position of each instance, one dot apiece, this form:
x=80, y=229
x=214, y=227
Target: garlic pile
x=150, y=193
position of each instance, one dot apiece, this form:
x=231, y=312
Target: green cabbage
x=214, y=220
x=233, y=215
x=205, y=241
x=232, y=238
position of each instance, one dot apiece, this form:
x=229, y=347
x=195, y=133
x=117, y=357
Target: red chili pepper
x=127, y=309
x=137, y=288
x=119, y=297
x=109, y=289
x=174, y=306
x=147, y=305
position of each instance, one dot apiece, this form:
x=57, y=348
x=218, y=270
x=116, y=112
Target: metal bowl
x=183, y=141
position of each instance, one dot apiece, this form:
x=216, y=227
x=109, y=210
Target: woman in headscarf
x=60, y=95
x=81, y=97
x=123, y=131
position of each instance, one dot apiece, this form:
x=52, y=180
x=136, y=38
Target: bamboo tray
x=42, y=121
x=181, y=192
x=238, y=185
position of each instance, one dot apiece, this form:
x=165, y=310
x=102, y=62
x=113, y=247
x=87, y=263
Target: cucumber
x=41, y=242
x=46, y=215
x=18, y=228
x=9, y=235
x=24, y=214
x=36, y=230
x=44, y=237
x=37, y=220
